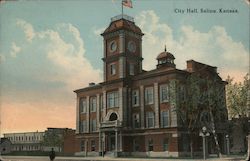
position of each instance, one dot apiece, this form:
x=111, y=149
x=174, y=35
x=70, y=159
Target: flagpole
x=122, y=10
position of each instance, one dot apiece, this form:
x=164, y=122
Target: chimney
x=91, y=84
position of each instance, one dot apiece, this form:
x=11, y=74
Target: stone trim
x=142, y=106
x=104, y=64
x=87, y=116
x=156, y=105
x=121, y=67
x=121, y=43
x=104, y=97
x=124, y=106
x=77, y=116
x=97, y=111
x=149, y=133
x=120, y=110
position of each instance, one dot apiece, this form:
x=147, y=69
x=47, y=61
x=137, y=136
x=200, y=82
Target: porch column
x=121, y=141
x=116, y=142
x=104, y=143
x=86, y=147
x=100, y=143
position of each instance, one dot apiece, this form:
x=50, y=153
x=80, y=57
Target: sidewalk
x=230, y=158
x=45, y=158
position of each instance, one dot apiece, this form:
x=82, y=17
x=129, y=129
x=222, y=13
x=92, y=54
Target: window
x=149, y=95
x=101, y=102
x=150, y=120
x=112, y=69
x=93, y=104
x=112, y=99
x=83, y=105
x=83, y=126
x=165, y=144
x=92, y=145
x=150, y=145
x=164, y=93
x=164, y=119
x=162, y=61
x=113, y=117
x=135, y=97
x=131, y=69
x=93, y=125
x=136, y=145
x=136, y=120
x=82, y=145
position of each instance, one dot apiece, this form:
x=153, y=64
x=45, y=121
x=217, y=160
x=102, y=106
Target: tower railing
x=122, y=16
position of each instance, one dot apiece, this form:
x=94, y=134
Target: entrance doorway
x=112, y=143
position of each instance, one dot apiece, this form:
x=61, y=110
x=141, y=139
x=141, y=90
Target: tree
x=52, y=139
x=237, y=97
x=204, y=104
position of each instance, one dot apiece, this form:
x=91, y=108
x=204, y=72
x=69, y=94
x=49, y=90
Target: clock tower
x=122, y=42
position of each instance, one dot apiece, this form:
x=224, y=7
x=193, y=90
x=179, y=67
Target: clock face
x=131, y=46
x=112, y=46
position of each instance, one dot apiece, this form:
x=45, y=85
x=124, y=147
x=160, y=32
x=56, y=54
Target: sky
x=50, y=48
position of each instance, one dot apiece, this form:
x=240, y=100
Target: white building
x=27, y=141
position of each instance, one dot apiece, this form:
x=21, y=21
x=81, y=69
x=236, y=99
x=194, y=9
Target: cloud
x=53, y=64
x=62, y=48
x=28, y=29
x=214, y=47
x=14, y=50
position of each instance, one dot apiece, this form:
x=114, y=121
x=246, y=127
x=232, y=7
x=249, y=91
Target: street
x=44, y=158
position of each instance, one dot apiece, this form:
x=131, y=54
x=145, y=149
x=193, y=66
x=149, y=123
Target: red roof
x=122, y=24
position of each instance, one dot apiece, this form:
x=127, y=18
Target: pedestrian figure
x=52, y=154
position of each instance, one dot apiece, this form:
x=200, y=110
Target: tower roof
x=122, y=22
x=165, y=54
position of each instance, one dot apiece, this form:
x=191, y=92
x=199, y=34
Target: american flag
x=127, y=3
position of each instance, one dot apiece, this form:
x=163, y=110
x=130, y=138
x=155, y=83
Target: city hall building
x=133, y=111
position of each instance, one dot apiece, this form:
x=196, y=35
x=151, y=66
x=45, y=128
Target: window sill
x=113, y=107
x=150, y=127
x=164, y=101
x=149, y=103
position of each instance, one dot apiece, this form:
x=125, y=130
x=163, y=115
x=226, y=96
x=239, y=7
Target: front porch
x=110, y=138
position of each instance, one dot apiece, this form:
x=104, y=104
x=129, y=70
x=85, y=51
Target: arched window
x=113, y=117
